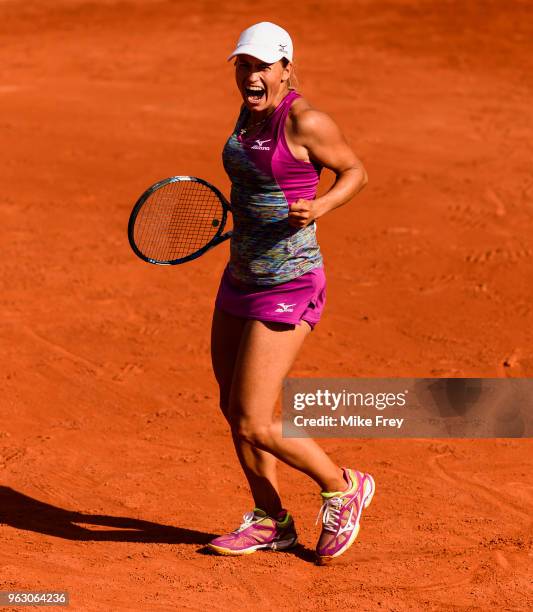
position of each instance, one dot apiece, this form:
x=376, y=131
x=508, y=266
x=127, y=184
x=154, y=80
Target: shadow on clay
x=22, y=512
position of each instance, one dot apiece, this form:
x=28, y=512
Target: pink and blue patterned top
x=265, y=180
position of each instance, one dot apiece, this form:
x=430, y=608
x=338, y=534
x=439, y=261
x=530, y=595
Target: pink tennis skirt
x=300, y=299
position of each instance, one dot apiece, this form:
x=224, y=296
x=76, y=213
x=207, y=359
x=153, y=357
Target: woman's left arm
x=325, y=144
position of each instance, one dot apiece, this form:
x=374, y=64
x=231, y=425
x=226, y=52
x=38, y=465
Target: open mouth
x=254, y=93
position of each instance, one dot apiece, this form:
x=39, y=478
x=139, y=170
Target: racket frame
x=217, y=238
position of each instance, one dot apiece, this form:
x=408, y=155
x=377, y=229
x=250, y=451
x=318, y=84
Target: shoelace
x=248, y=519
x=330, y=511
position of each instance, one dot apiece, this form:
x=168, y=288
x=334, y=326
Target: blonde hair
x=292, y=83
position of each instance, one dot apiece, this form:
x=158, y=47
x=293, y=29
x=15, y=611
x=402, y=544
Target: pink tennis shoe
x=341, y=513
x=258, y=531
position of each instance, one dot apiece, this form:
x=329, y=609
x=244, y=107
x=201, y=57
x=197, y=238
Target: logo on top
x=282, y=48
x=260, y=145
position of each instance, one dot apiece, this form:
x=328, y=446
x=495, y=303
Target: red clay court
x=116, y=464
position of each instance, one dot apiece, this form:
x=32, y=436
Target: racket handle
x=220, y=239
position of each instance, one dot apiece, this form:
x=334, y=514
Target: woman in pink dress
x=273, y=291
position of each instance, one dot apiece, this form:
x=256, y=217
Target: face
x=262, y=86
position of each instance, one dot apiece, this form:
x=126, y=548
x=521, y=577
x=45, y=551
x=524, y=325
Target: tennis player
x=272, y=292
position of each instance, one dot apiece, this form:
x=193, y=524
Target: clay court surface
x=116, y=465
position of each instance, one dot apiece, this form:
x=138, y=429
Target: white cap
x=266, y=41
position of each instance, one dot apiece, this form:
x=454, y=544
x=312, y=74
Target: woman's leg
x=266, y=354
x=259, y=466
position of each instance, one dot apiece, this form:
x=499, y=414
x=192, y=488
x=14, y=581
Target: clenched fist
x=302, y=213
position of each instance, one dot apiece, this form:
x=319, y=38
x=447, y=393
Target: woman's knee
x=256, y=434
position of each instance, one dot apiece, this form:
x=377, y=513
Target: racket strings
x=177, y=220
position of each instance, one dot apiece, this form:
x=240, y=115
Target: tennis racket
x=177, y=220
